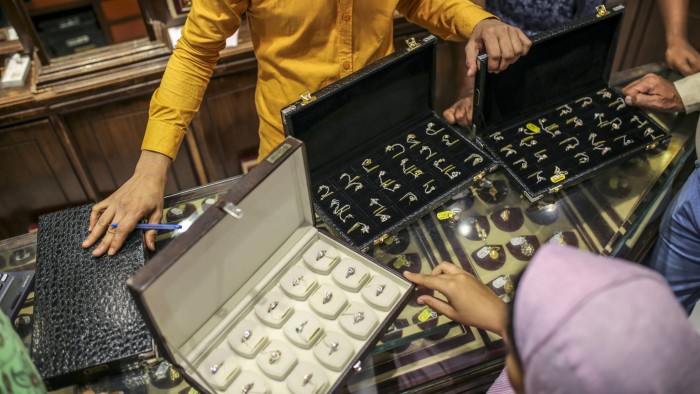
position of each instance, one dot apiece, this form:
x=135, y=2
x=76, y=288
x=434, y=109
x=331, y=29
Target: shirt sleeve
x=689, y=90
x=452, y=20
x=187, y=74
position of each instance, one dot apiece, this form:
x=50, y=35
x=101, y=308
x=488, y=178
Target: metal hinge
x=381, y=239
x=479, y=176
x=306, y=97
x=601, y=10
x=555, y=189
x=412, y=44
x=231, y=209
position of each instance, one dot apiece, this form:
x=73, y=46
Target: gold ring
x=112, y=230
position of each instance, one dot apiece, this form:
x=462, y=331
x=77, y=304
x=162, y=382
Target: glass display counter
x=488, y=229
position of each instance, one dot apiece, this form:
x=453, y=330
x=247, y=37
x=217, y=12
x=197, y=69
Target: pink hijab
x=592, y=324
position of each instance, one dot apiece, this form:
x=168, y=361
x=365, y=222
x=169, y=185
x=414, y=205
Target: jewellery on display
x=571, y=143
x=540, y=178
x=446, y=140
x=615, y=124
x=246, y=389
x=619, y=102
x=321, y=254
x=411, y=197
x=413, y=170
x=541, y=155
x=385, y=184
x=383, y=217
x=493, y=252
x=528, y=141
x=558, y=238
x=363, y=228
x=497, y=136
x=527, y=249
x=380, y=289
x=215, y=368
x=551, y=129
x=591, y=137
x=333, y=346
x=425, y=148
x=437, y=163
x=272, y=306
x=565, y=110
x=366, y=163
x=307, y=379
x=508, y=286
x=275, y=355
x=559, y=175
x=338, y=210
x=625, y=141
x=603, y=149
x=522, y=162
x=300, y=327
x=246, y=335
x=508, y=149
x=375, y=201
x=429, y=130
x=584, y=101
x=390, y=148
x=604, y=93
x=477, y=159
x=505, y=215
x=356, y=317
x=599, y=116
x=327, y=297
x=576, y=121
x=527, y=131
x=411, y=139
x=649, y=132
x=325, y=194
x=427, y=188
x=582, y=157
x=351, y=272
x=351, y=182
x=640, y=123
x=298, y=280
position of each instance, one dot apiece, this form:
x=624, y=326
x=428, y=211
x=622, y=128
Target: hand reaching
x=469, y=301
x=503, y=43
x=461, y=111
x=653, y=92
x=141, y=196
x=683, y=57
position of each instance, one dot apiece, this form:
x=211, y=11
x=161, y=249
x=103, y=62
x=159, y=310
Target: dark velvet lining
x=560, y=66
x=365, y=110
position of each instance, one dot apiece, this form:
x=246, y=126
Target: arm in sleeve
x=689, y=90
x=187, y=74
x=449, y=19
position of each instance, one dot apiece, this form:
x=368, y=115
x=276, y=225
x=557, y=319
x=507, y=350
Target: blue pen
x=146, y=226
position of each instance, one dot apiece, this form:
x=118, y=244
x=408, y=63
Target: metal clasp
x=306, y=97
x=232, y=210
x=412, y=44
x=601, y=10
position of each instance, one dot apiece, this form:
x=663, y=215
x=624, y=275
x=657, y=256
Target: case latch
x=412, y=44
x=555, y=189
x=652, y=146
x=306, y=98
x=601, y=10
x=231, y=209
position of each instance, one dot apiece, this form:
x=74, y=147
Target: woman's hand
x=469, y=301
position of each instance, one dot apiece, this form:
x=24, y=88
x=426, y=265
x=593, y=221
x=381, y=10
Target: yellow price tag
x=533, y=127
x=425, y=315
x=557, y=178
x=445, y=215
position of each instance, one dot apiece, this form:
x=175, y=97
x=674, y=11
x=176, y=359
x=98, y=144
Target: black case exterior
x=560, y=90
x=170, y=257
x=86, y=323
x=379, y=156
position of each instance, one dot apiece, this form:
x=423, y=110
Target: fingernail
x=420, y=301
x=628, y=100
x=111, y=252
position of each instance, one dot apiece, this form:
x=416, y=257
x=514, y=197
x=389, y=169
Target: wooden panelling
x=108, y=139
x=227, y=125
x=126, y=31
x=37, y=176
x=118, y=9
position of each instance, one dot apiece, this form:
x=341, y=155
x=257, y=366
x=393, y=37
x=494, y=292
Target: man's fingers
x=151, y=234
x=446, y=268
x=449, y=114
x=494, y=51
x=95, y=214
x=472, y=51
x=429, y=281
x=100, y=227
x=647, y=101
x=126, y=226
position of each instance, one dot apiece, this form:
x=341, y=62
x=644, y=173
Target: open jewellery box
x=254, y=299
x=379, y=156
x=551, y=119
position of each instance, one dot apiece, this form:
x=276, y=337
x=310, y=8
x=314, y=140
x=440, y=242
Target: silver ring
x=380, y=289
x=272, y=306
x=351, y=272
x=327, y=297
x=275, y=355
x=246, y=335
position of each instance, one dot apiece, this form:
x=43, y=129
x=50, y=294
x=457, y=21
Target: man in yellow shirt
x=300, y=45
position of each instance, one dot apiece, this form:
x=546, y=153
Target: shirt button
x=346, y=17
x=346, y=65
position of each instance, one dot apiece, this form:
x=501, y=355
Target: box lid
x=561, y=64
x=404, y=85
x=218, y=261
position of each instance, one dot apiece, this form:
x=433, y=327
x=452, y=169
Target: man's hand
x=141, y=196
x=683, y=57
x=653, y=92
x=469, y=301
x=461, y=111
x=503, y=43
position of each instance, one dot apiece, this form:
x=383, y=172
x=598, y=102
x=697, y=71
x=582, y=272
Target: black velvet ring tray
x=379, y=156
x=551, y=119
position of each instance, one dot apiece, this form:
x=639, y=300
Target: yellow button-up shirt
x=299, y=44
